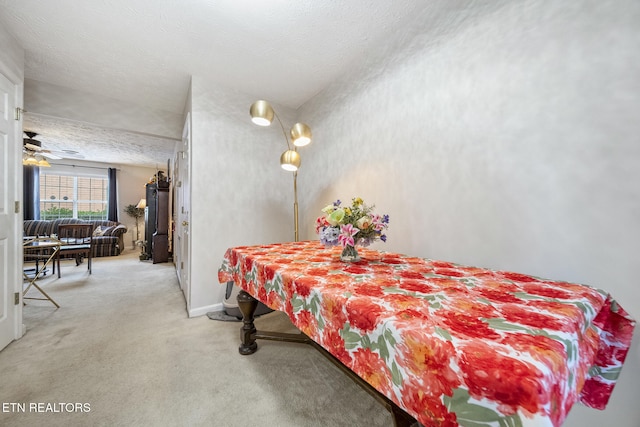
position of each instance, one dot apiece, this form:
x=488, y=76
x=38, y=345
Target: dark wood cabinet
x=156, y=220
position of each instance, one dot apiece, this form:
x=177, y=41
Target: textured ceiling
x=76, y=140
x=145, y=51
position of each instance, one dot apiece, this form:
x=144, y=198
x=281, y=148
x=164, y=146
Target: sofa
x=108, y=236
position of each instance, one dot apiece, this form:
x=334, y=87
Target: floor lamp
x=262, y=114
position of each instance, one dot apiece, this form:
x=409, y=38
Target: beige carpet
x=121, y=346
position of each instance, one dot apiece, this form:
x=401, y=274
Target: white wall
x=239, y=193
x=131, y=188
x=503, y=136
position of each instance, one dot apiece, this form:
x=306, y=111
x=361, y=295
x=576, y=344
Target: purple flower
x=365, y=242
x=329, y=236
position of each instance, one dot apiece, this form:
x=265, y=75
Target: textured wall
x=131, y=188
x=499, y=135
x=240, y=195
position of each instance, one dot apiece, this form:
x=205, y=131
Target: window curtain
x=31, y=192
x=112, y=201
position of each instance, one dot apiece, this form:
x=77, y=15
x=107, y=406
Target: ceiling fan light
x=30, y=161
x=261, y=113
x=43, y=163
x=290, y=160
x=300, y=134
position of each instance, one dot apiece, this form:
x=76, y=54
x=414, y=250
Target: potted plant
x=137, y=213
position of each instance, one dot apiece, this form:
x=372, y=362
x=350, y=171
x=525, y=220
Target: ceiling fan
x=35, y=155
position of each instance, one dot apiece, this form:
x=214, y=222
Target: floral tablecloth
x=450, y=344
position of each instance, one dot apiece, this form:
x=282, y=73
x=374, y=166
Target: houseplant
x=137, y=213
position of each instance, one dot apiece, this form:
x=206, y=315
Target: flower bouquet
x=351, y=226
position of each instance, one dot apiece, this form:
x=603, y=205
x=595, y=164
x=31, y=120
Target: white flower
x=363, y=223
x=336, y=217
x=328, y=209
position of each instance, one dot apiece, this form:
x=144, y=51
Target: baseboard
x=201, y=311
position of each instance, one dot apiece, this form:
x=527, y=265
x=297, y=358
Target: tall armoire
x=156, y=220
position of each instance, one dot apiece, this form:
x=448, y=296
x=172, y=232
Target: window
x=83, y=197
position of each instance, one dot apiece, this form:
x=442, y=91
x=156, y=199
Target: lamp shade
x=142, y=204
x=30, y=160
x=290, y=160
x=43, y=163
x=300, y=134
x=261, y=113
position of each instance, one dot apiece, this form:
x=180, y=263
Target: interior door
x=183, y=201
x=10, y=226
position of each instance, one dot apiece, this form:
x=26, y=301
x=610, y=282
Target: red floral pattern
x=442, y=340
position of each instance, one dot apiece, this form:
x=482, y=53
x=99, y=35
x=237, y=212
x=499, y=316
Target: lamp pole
x=262, y=114
x=295, y=205
x=295, y=183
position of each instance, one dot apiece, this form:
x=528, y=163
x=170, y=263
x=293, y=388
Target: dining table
x=444, y=344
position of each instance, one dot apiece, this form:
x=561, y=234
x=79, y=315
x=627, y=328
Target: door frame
x=12, y=205
x=182, y=188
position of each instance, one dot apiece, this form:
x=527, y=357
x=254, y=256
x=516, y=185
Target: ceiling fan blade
x=49, y=155
x=32, y=147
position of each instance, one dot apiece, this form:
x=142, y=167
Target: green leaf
x=473, y=415
x=477, y=413
x=396, y=376
x=502, y=324
x=524, y=295
x=350, y=346
x=587, y=309
x=469, y=423
x=468, y=282
x=351, y=337
x=511, y=421
x=297, y=304
x=315, y=305
x=610, y=374
x=382, y=346
x=460, y=396
x=388, y=335
x=365, y=341
x=444, y=333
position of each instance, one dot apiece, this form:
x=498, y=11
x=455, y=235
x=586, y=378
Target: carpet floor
x=121, y=351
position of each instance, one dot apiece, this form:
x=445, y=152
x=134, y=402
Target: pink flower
x=346, y=235
x=321, y=222
x=377, y=222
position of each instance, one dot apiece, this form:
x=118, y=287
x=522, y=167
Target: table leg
x=247, y=305
x=38, y=273
x=248, y=334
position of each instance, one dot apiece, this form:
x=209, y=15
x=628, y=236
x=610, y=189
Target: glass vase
x=349, y=254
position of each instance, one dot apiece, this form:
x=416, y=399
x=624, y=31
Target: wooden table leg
x=247, y=305
x=248, y=335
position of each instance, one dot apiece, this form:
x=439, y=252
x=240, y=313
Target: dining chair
x=75, y=239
